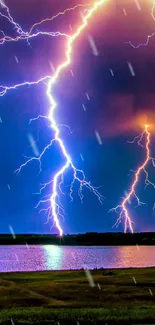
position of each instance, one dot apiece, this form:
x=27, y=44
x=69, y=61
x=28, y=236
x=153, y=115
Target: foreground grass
x=45, y=297
x=84, y=315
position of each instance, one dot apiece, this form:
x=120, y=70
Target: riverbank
x=87, y=239
x=124, y=296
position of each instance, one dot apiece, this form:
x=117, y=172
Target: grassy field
x=119, y=297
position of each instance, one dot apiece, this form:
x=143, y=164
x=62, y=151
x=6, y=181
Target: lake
x=51, y=257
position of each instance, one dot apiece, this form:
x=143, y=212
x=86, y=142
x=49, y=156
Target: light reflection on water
x=52, y=257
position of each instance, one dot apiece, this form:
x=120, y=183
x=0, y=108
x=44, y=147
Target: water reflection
x=51, y=257
x=135, y=256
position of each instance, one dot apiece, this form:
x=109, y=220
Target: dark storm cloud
x=127, y=101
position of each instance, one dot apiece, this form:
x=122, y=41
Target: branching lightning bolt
x=55, y=208
x=148, y=37
x=128, y=224
x=10, y=18
x=28, y=35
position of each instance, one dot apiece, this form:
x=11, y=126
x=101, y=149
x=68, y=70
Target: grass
x=66, y=296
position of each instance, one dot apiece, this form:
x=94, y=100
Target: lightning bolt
x=27, y=35
x=10, y=18
x=128, y=224
x=141, y=44
x=55, y=208
x=148, y=37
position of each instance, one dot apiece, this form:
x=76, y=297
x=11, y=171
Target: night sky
x=116, y=104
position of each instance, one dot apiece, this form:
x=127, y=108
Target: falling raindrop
x=84, y=107
x=131, y=69
x=72, y=73
x=138, y=4
x=12, y=232
x=33, y=144
x=27, y=245
x=87, y=96
x=93, y=45
x=52, y=66
x=81, y=157
x=89, y=277
x=98, y=138
x=99, y=286
x=17, y=259
x=16, y=59
x=129, y=200
x=112, y=73
x=138, y=247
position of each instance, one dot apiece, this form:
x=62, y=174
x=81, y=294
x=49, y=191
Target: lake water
x=51, y=257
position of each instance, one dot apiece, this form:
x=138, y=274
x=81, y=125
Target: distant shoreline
x=87, y=239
